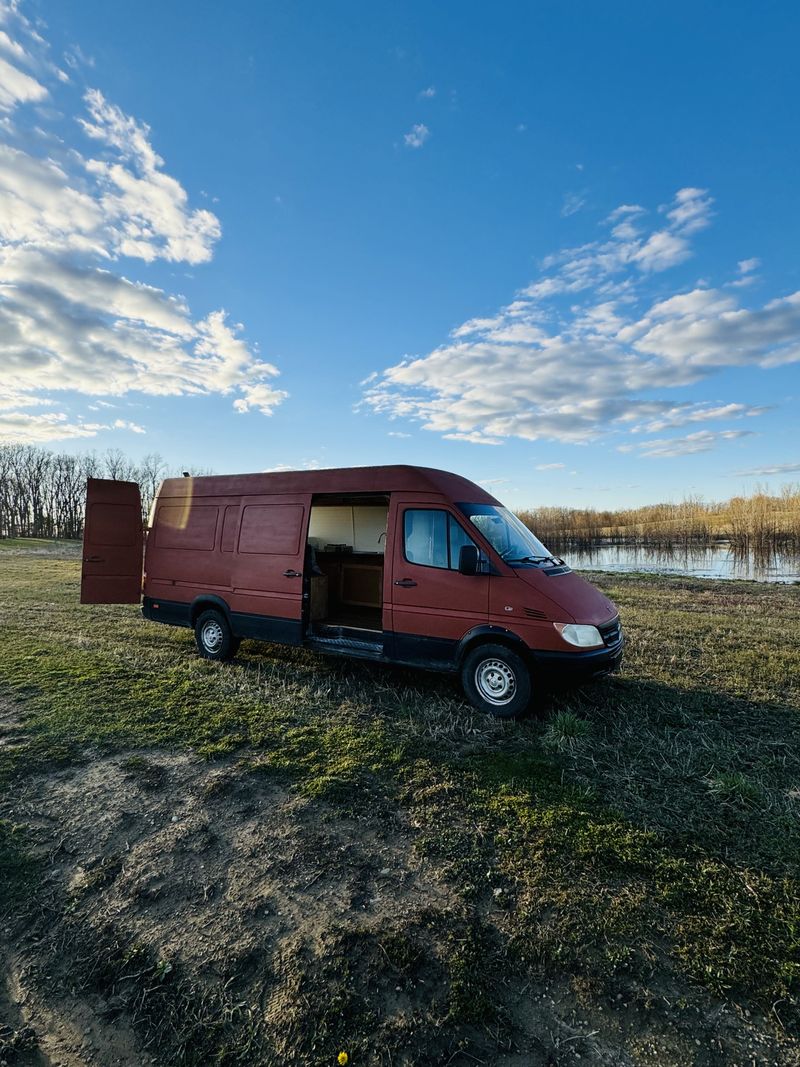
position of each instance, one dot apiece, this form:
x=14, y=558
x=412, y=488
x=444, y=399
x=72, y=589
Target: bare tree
x=150, y=474
x=43, y=493
x=118, y=466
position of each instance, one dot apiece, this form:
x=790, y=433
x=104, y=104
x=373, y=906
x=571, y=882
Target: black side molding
x=171, y=612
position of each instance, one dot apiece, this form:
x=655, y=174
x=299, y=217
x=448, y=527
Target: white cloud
x=550, y=466
x=13, y=48
x=306, y=465
x=428, y=94
x=573, y=202
x=701, y=441
x=416, y=136
x=70, y=317
x=39, y=206
x=582, y=352
x=727, y=335
x=662, y=250
x=397, y=433
x=9, y=399
x=17, y=87
x=76, y=58
x=18, y=428
x=769, y=471
x=625, y=211
x=125, y=424
x=146, y=207
x=473, y=438
x=261, y=397
x=747, y=266
x=684, y=414
x=691, y=210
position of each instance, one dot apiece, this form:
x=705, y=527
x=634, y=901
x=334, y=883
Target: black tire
x=495, y=667
x=214, y=637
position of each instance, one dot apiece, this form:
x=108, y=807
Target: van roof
x=400, y=478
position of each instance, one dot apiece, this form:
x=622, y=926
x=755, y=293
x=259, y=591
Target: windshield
x=508, y=535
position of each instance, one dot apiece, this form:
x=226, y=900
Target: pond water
x=720, y=560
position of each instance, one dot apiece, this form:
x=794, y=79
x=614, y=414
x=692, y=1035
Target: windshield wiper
x=537, y=559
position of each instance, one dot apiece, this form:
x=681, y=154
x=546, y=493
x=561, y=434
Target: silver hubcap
x=495, y=681
x=212, y=636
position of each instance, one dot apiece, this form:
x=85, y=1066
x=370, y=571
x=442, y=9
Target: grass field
x=288, y=857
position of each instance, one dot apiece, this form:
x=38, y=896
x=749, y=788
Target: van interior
x=344, y=565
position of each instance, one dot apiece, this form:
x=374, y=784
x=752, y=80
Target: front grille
x=611, y=632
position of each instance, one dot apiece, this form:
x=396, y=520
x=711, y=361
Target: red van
x=398, y=564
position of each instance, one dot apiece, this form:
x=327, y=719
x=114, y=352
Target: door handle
x=292, y=574
x=406, y=583
x=93, y=559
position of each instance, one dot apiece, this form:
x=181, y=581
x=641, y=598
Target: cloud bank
x=582, y=353
x=74, y=223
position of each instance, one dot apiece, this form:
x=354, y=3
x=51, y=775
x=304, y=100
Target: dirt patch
x=196, y=913
x=221, y=875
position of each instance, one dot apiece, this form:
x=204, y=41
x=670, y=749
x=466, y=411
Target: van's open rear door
x=112, y=543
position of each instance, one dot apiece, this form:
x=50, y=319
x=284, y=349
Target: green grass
x=644, y=829
x=18, y=868
x=29, y=545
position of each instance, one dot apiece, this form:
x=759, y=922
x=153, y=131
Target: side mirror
x=468, y=560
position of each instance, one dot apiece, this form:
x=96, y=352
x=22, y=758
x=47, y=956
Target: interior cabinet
x=354, y=579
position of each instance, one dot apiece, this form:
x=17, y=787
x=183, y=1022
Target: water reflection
x=720, y=560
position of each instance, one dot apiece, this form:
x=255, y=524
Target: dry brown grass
x=762, y=520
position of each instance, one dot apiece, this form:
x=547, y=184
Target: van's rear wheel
x=496, y=680
x=214, y=637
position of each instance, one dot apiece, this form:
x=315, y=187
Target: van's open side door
x=112, y=543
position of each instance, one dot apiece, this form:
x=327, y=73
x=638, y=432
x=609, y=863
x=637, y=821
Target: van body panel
x=267, y=566
x=361, y=480
x=525, y=608
x=249, y=551
x=574, y=599
x=111, y=569
x=181, y=544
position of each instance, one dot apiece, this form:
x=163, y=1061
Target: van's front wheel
x=496, y=680
x=214, y=637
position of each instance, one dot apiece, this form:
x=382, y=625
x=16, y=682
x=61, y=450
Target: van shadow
x=704, y=767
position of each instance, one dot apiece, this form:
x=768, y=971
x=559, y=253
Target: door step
x=353, y=646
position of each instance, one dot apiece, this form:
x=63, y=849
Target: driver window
x=458, y=537
x=433, y=538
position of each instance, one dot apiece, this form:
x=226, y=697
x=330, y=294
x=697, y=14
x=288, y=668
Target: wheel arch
x=490, y=635
x=204, y=602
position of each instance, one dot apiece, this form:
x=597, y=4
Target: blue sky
x=552, y=247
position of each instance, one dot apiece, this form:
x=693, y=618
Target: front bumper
x=580, y=665
x=583, y=665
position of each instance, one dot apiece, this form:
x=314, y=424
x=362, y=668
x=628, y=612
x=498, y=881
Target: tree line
x=760, y=519
x=43, y=493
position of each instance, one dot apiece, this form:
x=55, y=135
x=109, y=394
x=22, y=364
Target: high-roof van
x=395, y=564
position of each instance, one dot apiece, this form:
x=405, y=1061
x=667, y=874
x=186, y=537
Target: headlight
x=577, y=634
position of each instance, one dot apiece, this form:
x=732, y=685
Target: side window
x=458, y=537
x=433, y=538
